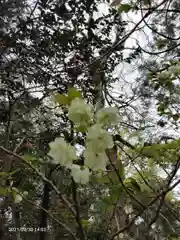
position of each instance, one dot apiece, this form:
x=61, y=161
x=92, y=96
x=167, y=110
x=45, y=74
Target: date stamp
x=28, y=229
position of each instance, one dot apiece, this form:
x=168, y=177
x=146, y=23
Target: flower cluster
x=107, y=116
x=80, y=113
x=95, y=161
x=97, y=140
x=61, y=152
x=80, y=175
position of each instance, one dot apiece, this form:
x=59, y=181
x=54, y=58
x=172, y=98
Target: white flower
x=80, y=175
x=61, y=152
x=95, y=161
x=107, y=116
x=80, y=113
x=18, y=198
x=98, y=139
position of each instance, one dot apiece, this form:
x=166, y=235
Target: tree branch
x=52, y=217
x=78, y=218
x=42, y=177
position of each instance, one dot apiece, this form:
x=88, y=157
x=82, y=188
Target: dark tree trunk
x=43, y=214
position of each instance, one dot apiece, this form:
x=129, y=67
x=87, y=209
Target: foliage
x=75, y=158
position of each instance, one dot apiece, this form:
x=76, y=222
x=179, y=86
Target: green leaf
x=113, y=177
x=4, y=174
x=28, y=157
x=132, y=183
x=161, y=43
x=103, y=179
x=3, y=191
x=176, y=117
x=110, y=208
x=135, y=185
x=121, y=169
x=124, y=8
x=169, y=196
x=84, y=223
x=107, y=200
x=121, y=172
x=162, y=107
x=82, y=129
x=73, y=93
x=116, y=192
x=15, y=171
x=61, y=99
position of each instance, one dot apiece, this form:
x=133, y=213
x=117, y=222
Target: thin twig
x=122, y=41
x=176, y=167
x=42, y=177
x=52, y=217
x=143, y=210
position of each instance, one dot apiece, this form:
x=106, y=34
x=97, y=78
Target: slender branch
x=19, y=145
x=160, y=52
x=52, y=217
x=42, y=177
x=176, y=167
x=78, y=218
x=171, y=176
x=160, y=34
x=158, y=10
x=122, y=41
x=165, y=204
x=123, y=185
x=163, y=193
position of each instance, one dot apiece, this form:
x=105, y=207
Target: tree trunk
x=43, y=214
x=16, y=222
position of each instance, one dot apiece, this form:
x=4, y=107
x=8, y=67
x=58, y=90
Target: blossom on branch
x=61, y=152
x=80, y=175
x=107, y=116
x=98, y=139
x=80, y=113
x=95, y=161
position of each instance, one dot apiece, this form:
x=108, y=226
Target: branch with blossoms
x=95, y=127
